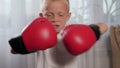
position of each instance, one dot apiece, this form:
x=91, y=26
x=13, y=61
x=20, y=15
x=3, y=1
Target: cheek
x=63, y=21
x=47, y=17
x=50, y=19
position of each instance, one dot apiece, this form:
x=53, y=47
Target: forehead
x=59, y=5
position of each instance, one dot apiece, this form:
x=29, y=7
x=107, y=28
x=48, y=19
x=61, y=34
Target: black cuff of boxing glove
x=96, y=29
x=17, y=45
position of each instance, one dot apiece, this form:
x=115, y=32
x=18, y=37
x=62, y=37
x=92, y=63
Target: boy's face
x=57, y=12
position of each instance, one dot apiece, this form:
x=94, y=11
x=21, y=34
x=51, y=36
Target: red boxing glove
x=39, y=35
x=78, y=38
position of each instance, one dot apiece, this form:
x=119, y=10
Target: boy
x=57, y=11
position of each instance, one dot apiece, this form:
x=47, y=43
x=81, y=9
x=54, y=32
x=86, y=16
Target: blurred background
x=16, y=14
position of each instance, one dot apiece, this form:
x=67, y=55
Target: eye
x=61, y=15
x=48, y=15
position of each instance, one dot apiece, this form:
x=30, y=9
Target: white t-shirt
x=57, y=57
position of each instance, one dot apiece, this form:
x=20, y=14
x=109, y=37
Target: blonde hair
x=43, y=2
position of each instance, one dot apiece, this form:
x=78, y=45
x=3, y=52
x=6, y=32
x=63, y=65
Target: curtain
x=16, y=14
x=94, y=11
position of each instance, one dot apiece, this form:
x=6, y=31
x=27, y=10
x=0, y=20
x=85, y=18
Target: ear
x=40, y=14
x=69, y=15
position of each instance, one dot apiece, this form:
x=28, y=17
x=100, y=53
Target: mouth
x=56, y=26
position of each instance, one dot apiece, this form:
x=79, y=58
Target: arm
x=79, y=38
x=102, y=27
x=99, y=29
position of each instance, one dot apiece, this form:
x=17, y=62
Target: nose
x=55, y=18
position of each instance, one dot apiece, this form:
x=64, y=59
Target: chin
x=58, y=30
